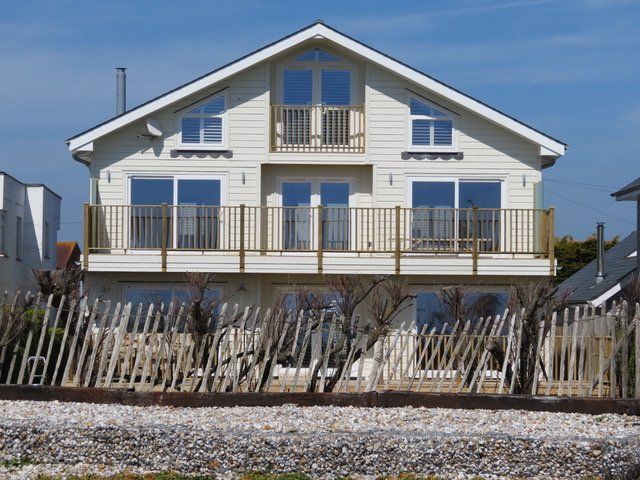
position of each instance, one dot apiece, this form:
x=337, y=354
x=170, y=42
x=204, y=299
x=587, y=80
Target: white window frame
x=3, y=233
x=223, y=196
x=457, y=180
x=503, y=179
x=315, y=201
x=46, y=242
x=224, y=145
x=451, y=116
x=19, y=237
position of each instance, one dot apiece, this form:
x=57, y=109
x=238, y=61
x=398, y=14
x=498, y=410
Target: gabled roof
x=619, y=262
x=67, y=254
x=549, y=146
x=628, y=192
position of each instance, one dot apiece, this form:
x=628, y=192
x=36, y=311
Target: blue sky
x=568, y=67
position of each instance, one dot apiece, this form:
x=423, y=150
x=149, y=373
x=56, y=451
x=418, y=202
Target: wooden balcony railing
x=317, y=128
x=396, y=231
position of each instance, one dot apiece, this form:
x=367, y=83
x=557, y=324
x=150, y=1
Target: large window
x=192, y=212
x=443, y=216
x=431, y=128
x=433, y=313
x=204, y=125
x=163, y=294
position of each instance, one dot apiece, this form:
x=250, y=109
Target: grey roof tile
x=617, y=266
x=627, y=189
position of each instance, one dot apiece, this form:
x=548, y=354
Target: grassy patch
x=16, y=462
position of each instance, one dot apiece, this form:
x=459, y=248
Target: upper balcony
x=257, y=239
x=317, y=128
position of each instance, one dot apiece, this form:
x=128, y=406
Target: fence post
x=475, y=241
x=398, y=213
x=87, y=230
x=163, y=240
x=552, y=241
x=319, y=246
x=242, y=210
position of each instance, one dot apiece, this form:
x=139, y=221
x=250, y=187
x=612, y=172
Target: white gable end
x=548, y=146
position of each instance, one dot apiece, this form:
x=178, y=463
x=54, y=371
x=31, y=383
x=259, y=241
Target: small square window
x=430, y=128
x=204, y=125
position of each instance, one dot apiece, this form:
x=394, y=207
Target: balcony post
x=163, y=240
x=87, y=240
x=241, y=253
x=552, y=241
x=319, y=246
x=398, y=213
x=474, y=247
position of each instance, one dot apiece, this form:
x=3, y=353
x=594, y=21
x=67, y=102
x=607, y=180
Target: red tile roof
x=68, y=253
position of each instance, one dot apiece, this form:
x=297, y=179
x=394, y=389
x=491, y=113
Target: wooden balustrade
x=317, y=128
x=397, y=231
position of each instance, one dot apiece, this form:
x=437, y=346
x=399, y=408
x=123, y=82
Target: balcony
x=317, y=128
x=318, y=239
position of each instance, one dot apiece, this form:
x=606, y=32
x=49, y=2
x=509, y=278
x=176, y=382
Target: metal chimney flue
x=121, y=90
x=600, y=252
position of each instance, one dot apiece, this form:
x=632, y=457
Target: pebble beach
x=65, y=439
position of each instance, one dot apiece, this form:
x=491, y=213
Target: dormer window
x=430, y=128
x=204, y=126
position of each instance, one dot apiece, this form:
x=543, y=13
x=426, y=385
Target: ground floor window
x=161, y=294
x=309, y=301
x=433, y=312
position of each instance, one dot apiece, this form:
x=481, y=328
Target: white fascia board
x=319, y=31
x=192, y=88
x=596, y=302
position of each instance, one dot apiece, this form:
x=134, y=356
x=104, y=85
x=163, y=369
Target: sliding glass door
x=193, y=214
x=147, y=196
x=442, y=219
x=487, y=197
x=198, y=219
x=335, y=218
x=296, y=215
x=299, y=214
x=433, y=222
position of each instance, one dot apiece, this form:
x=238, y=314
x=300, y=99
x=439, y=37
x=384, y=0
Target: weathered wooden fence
x=96, y=344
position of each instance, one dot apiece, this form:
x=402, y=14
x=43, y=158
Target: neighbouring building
x=29, y=224
x=600, y=282
x=68, y=255
x=603, y=281
x=314, y=155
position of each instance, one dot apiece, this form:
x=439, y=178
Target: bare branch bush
x=381, y=299
x=14, y=318
x=533, y=304
x=59, y=283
